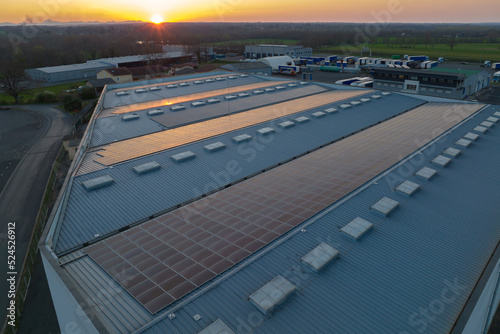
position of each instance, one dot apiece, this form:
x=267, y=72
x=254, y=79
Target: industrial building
x=265, y=50
x=234, y=203
x=254, y=67
x=90, y=69
x=441, y=82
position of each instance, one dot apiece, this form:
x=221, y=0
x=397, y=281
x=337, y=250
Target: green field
x=27, y=95
x=470, y=52
x=257, y=41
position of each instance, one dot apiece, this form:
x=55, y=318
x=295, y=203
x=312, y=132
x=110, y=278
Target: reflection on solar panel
x=164, y=140
x=191, y=97
x=165, y=258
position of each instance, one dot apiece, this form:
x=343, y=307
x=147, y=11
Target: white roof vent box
x=217, y=327
x=130, y=117
x=183, y=156
x=407, y=188
x=241, y=138
x=320, y=257
x=147, y=167
x=441, y=160
x=268, y=297
x=98, y=182
x=463, y=142
x=318, y=114
x=426, y=173
x=214, y=147
x=385, y=206
x=452, y=152
x=357, y=228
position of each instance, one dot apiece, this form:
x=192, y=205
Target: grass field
x=257, y=41
x=470, y=52
x=27, y=95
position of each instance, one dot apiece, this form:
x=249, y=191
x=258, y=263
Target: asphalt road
x=21, y=195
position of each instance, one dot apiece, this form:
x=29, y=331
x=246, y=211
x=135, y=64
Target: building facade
x=454, y=85
x=264, y=50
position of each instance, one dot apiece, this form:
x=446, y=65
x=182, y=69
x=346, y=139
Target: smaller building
x=447, y=83
x=276, y=62
x=147, y=72
x=99, y=84
x=265, y=50
x=74, y=72
x=256, y=67
x=118, y=75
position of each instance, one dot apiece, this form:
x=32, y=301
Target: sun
x=156, y=19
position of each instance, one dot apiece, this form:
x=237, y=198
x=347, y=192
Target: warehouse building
x=265, y=50
x=236, y=203
x=441, y=82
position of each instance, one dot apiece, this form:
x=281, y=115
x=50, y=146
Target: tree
x=72, y=103
x=452, y=41
x=12, y=79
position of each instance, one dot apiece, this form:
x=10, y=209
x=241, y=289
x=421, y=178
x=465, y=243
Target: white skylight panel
x=147, y=167
x=452, y=152
x=301, y=119
x=183, y=156
x=215, y=146
x=426, y=173
x=408, y=188
x=286, y=124
x=441, y=160
x=98, y=182
x=318, y=114
x=177, y=107
x=357, y=228
x=272, y=294
x=463, y=142
x=242, y=138
x=385, y=206
x=130, y=117
x=471, y=136
x=320, y=256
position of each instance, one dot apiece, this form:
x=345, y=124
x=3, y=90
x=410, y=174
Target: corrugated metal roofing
x=412, y=273
x=132, y=198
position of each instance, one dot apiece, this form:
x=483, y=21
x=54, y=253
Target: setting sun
x=157, y=19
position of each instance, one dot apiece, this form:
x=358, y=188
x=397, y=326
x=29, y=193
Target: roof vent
x=141, y=90
x=265, y=131
x=385, y=206
x=280, y=87
x=303, y=82
x=242, y=138
x=197, y=317
x=426, y=173
x=199, y=82
x=364, y=100
x=480, y=129
x=198, y=103
x=497, y=114
x=217, y=327
x=210, y=80
x=244, y=94
x=487, y=124
x=121, y=93
x=213, y=100
x=292, y=85
x=184, y=84
x=320, y=256
x=272, y=294
x=147, y=167
x=258, y=91
x=492, y=119
x=130, y=117
x=215, y=146
x=331, y=110
x=155, y=112
x=355, y=103
x=452, y=152
x=407, y=188
x=230, y=97
x=345, y=106
x=220, y=78
x=269, y=89
x=376, y=97
x=183, y=156
x=463, y=142
x=98, y=182
x=357, y=228
x=232, y=77
x=154, y=88
x=286, y=124
x=177, y=107
x=301, y=119
x=318, y=114
x=386, y=93
x=441, y=160
x=172, y=86
x=471, y=136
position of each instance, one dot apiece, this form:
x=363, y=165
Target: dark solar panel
x=160, y=261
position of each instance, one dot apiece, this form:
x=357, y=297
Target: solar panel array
x=164, y=140
x=191, y=97
x=162, y=260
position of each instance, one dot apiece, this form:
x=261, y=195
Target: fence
x=24, y=280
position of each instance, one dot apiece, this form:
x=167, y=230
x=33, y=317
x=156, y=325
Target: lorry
x=418, y=58
x=486, y=63
x=495, y=66
x=288, y=70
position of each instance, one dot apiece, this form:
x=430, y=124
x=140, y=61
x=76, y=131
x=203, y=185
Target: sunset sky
x=254, y=10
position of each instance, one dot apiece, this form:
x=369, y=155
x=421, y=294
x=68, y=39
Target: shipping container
x=396, y=57
x=495, y=66
x=418, y=58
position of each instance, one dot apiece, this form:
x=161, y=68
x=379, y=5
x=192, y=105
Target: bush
x=71, y=102
x=45, y=97
x=86, y=93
